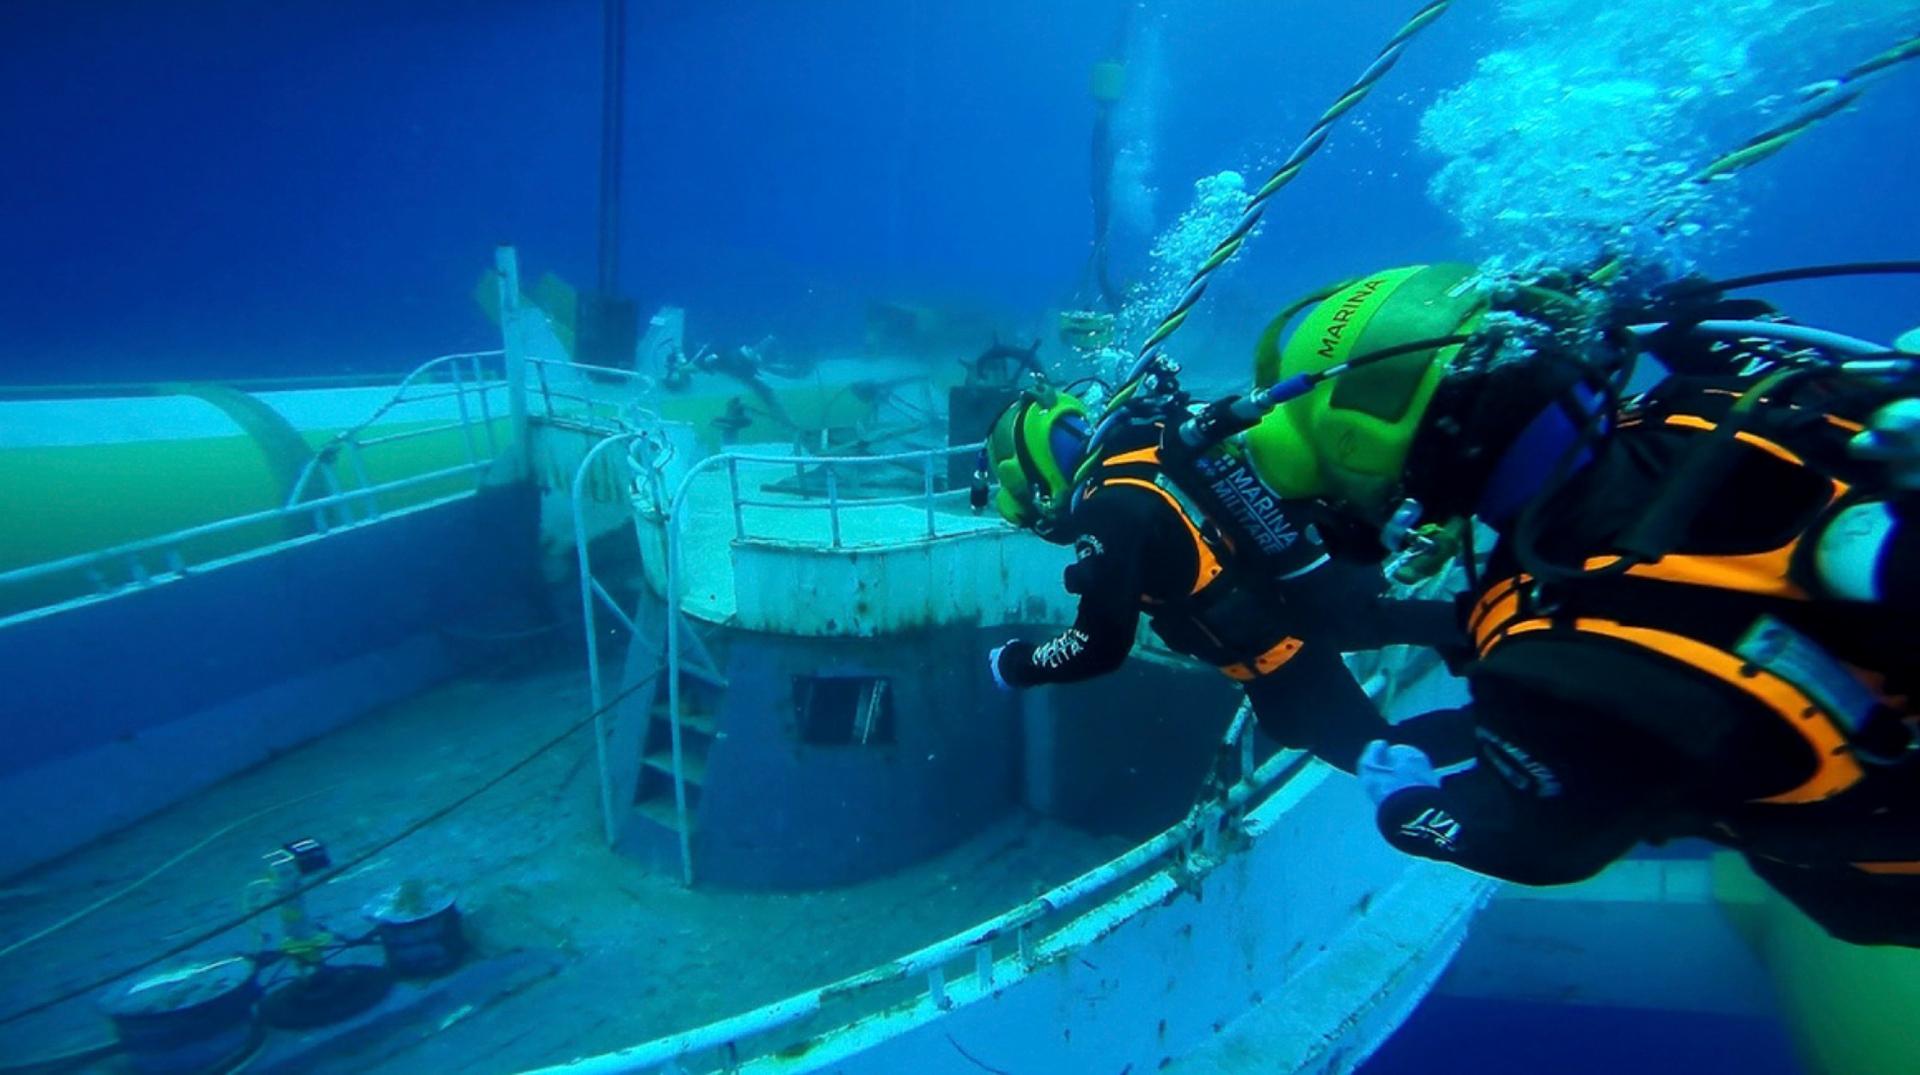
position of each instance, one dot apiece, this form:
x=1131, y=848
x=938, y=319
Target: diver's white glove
x=1000, y=652
x=1386, y=768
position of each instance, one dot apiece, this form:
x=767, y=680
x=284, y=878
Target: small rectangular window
x=844, y=710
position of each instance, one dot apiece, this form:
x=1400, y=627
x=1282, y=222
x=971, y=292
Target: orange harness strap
x=1149, y=456
x=1890, y=869
x=1210, y=566
x=1497, y=616
x=1282, y=652
x=1837, y=769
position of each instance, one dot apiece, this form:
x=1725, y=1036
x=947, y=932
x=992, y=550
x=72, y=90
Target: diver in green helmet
x=1702, y=614
x=1142, y=547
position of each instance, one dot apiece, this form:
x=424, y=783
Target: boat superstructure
x=781, y=704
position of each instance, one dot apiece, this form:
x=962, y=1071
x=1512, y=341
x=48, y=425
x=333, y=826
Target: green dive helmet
x=1431, y=435
x=1032, y=452
x=1348, y=440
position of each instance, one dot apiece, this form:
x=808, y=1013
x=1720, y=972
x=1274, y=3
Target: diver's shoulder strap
x=1141, y=469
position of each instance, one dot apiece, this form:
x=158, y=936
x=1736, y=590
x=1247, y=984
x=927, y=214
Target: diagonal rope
x=1290, y=168
x=1830, y=99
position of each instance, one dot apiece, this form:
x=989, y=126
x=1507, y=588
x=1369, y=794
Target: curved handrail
x=1164, y=850
x=326, y=451
x=669, y=514
x=670, y=524
x=591, y=592
x=833, y=502
x=552, y=392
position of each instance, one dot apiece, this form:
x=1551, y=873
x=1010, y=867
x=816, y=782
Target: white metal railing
x=644, y=453
x=834, y=503
x=464, y=376
x=555, y=382
x=130, y=553
x=594, y=596
x=163, y=557
x=1190, y=847
x=467, y=380
x=833, y=506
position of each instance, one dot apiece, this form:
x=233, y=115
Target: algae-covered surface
x=576, y=949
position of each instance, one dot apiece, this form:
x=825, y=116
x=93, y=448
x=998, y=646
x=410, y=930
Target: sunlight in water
x=1578, y=136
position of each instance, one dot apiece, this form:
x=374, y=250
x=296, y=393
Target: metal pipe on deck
x=506, y=267
x=613, y=64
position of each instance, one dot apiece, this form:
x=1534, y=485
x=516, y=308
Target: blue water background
x=1483, y=1037
x=222, y=188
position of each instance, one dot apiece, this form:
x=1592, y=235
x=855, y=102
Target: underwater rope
x=1290, y=168
x=341, y=869
x=1831, y=98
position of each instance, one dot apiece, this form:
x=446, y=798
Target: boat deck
x=577, y=949
x=802, y=522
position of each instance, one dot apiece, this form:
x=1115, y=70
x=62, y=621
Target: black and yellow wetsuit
x=1141, y=549
x=1712, y=693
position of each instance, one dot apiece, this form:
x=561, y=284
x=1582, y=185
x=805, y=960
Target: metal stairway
x=701, y=691
x=655, y=731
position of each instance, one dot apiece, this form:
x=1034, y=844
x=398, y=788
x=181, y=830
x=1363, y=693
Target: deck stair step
x=701, y=675
x=693, y=762
x=701, y=723
x=659, y=809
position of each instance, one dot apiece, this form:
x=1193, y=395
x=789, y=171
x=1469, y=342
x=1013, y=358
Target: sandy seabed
x=590, y=951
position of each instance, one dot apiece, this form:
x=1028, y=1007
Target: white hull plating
x=1299, y=950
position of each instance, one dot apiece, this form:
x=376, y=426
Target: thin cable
x=1804, y=272
x=361, y=859
x=613, y=65
x=1092, y=378
x=169, y=864
x=1832, y=97
x=1286, y=173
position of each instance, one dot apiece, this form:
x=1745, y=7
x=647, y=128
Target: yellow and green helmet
x=1348, y=439
x=1032, y=451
